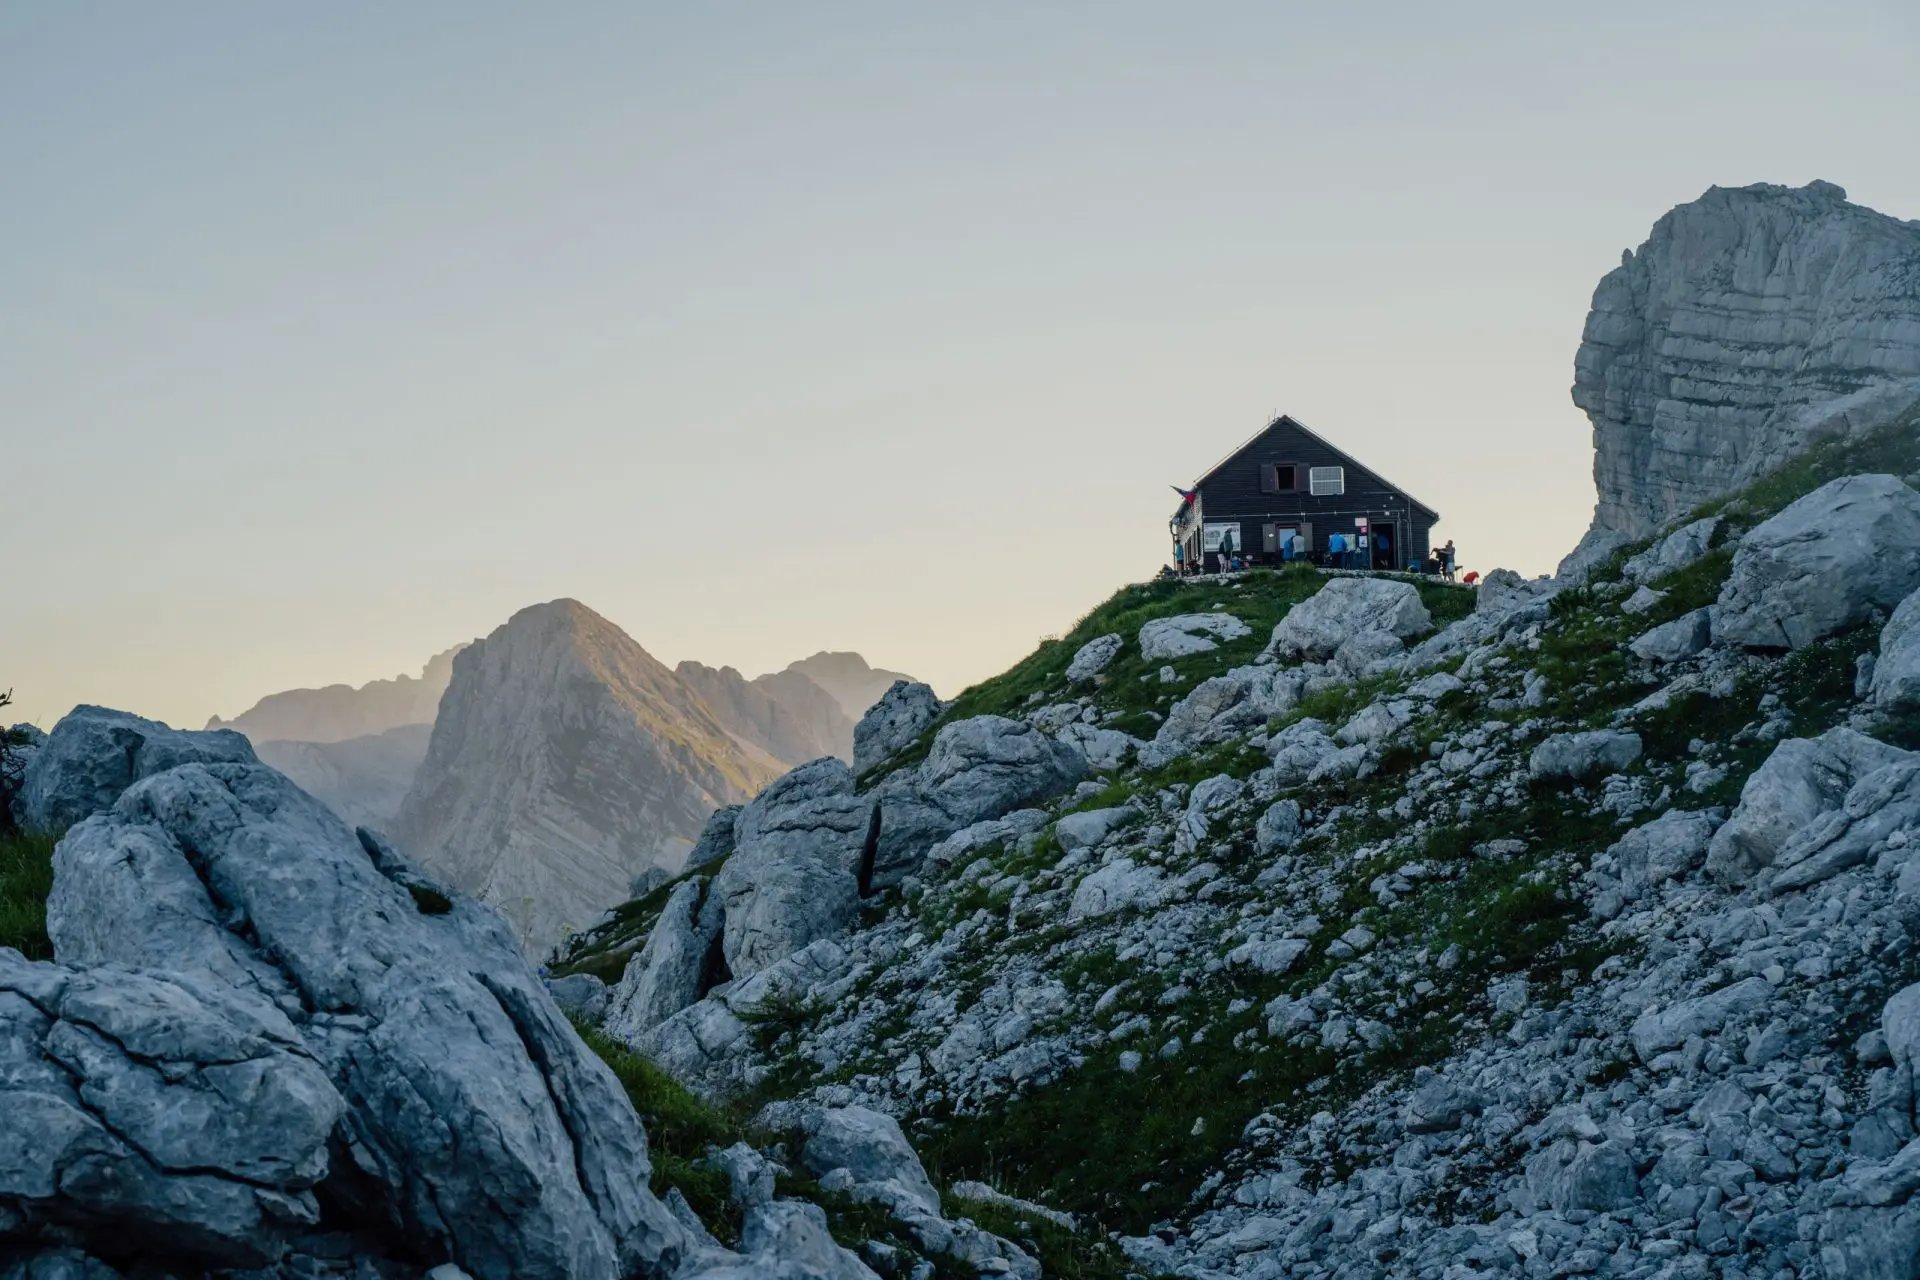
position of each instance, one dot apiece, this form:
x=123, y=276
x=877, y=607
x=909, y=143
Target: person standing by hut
x=1226, y=550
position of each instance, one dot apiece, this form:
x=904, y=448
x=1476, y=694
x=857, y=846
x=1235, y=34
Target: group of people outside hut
x=1344, y=551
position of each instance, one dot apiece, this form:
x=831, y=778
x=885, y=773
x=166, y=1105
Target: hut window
x=1327, y=480
x=1278, y=477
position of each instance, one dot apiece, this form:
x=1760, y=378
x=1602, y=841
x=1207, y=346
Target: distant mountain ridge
x=566, y=760
x=854, y=684
x=338, y=712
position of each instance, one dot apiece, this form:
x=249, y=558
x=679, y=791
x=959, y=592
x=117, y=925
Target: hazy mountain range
x=546, y=766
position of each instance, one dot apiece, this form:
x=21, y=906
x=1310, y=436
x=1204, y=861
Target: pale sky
x=334, y=333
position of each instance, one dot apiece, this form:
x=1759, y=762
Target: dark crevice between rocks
x=869, y=854
x=429, y=897
x=238, y=923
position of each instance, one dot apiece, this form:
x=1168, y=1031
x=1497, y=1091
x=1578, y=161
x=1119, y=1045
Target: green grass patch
x=26, y=878
x=681, y=1127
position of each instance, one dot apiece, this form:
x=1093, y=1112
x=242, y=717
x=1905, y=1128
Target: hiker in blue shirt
x=1337, y=550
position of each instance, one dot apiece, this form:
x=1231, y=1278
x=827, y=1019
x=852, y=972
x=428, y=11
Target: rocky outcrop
x=237, y=970
x=1896, y=675
x=94, y=754
x=1675, y=641
x=1802, y=780
x=1672, y=553
x=164, y=1114
x=896, y=721
x=795, y=874
x=681, y=961
x=977, y=769
x=1751, y=320
x=340, y=712
x=565, y=761
x=1093, y=657
x=1188, y=633
x=1831, y=559
x=363, y=780
x=1352, y=621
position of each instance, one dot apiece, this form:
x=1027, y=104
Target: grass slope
x=26, y=878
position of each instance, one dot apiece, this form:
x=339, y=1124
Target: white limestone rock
x=94, y=754
x=1189, y=633
x=1089, y=827
x=1582, y=755
x=1803, y=779
x=1831, y=559
x=795, y=872
x=1120, y=885
x=979, y=768
x=1345, y=608
x=1672, y=553
x=1675, y=641
x=896, y=721
x=678, y=964
x=1094, y=656
x=1104, y=749
x=479, y=1119
x=1896, y=674
x=1750, y=320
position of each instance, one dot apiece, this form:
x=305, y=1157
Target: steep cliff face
x=566, y=760
x=1751, y=321
x=339, y=712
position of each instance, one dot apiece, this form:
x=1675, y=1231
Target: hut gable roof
x=1287, y=421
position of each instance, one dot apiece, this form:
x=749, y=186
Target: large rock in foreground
x=1830, y=560
x=1751, y=320
x=94, y=754
x=328, y=975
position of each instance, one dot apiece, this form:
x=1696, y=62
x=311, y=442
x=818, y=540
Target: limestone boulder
x=1277, y=828
x=1834, y=558
x=1584, y=755
x=481, y=1128
x=1119, y=886
x=1189, y=633
x=94, y=754
x=795, y=873
x=1896, y=675
x=1093, y=657
x=1882, y=806
x=1672, y=553
x=893, y=723
x=1675, y=641
x=1299, y=749
x=1089, y=827
x=1803, y=779
x=163, y=1114
x=716, y=838
x=1104, y=749
x=980, y=768
x=1348, y=608
x=680, y=962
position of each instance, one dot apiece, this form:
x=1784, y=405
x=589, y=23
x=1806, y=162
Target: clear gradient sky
x=333, y=333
